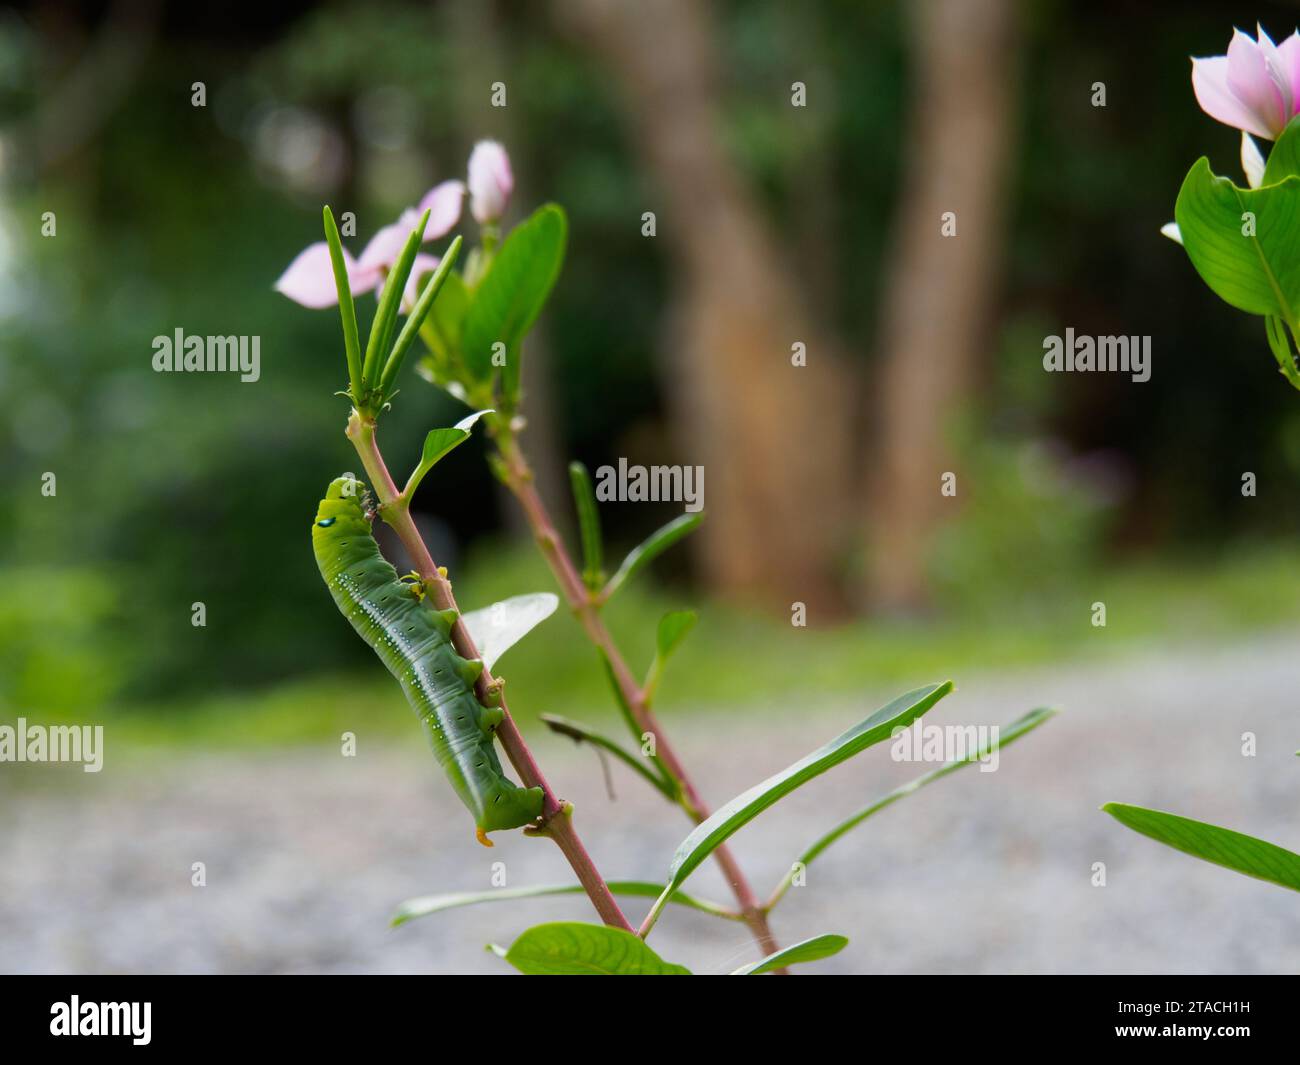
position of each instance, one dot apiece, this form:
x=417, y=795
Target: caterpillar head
x=346, y=487
x=345, y=498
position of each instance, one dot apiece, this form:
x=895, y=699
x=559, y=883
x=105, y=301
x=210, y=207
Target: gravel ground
x=307, y=852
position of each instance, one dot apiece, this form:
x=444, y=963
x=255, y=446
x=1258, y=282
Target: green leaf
x=381, y=329
x=1281, y=347
x=809, y=950
x=580, y=733
x=425, y=905
x=623, y=708
x=1284, y=159
x=1010, y=734
x=630, y=720
x=1210, y=843
x=416, y=319
x=347, y=309
x=571, y=948
x=437, y=445
x=733, y=815
x=651, y=548
x=497, y=628
x=673, y=629
x=509, y=298
x=1259, y=274
x=584, y=499
x=445, y=322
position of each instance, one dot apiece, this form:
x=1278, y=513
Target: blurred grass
x=735, y=659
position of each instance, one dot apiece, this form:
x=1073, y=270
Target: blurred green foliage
x=735, y=661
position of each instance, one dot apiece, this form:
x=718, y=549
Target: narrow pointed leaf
x=347, y=308
x=1010, y=734
x=650, y=549
x=437, y=444
x=630, y=720
x=571, y=948
x=584, y=499
x=441, y=331
x=809, y=950
x=425, y=905
x=381, y=329
x=734, y=815
x=580, y=733
x=673, y=629
x=417, y=317
x=1222, y=846
x=497, y=628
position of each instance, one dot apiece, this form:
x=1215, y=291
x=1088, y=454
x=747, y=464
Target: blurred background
x=776, y=225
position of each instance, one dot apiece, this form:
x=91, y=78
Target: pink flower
x=1255, y=87
x=490, y=182
x=309, y=279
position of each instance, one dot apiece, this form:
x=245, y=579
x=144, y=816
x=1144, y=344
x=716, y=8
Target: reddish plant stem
x=557, y=816
x=519, y=479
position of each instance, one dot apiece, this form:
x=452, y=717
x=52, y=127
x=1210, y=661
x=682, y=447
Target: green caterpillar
x=413, y=640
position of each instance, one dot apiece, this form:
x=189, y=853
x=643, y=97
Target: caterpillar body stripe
x=413, y=640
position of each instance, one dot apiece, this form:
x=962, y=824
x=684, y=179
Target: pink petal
x=1289, y=55
x=1210, y=83
x=490, y=181
x=443, y=204
x=1276, y=69
x=1252, y=161
x=386, y=245
x=309, y=279
x=1250, y=82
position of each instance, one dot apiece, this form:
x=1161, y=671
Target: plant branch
x=557, y=819
x=518, y=477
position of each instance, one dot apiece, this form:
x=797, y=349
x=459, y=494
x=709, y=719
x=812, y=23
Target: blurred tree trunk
x=939, y=296
x=772, y=437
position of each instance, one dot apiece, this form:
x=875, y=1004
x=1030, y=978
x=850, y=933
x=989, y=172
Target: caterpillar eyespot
x=413, y=640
